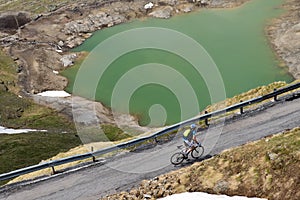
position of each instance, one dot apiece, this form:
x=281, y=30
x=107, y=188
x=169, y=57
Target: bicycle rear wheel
x=177, y=158
x=198, y=152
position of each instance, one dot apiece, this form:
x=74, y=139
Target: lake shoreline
x=42, y=56
x=34, y=51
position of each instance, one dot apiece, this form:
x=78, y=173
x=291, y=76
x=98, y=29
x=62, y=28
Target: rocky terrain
x=84, y=111
x=285, y=37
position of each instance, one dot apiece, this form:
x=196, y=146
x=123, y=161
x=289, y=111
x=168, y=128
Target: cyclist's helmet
x=192, y=126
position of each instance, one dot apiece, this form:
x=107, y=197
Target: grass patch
x=8, y=74
x=18, y=112
x=7, y=66
x=256, y=92
x=102, y=133
x=253, y=93
x=114, y=133
x=37, y=6
x=21, y=150
x=32, y=6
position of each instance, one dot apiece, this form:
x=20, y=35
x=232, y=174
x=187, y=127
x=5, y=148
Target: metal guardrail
x=52, y=164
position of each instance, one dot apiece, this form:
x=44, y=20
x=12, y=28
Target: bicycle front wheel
x=198, y=152
x=177, y=158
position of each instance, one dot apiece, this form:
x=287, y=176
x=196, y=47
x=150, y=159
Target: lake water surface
x=234, y=38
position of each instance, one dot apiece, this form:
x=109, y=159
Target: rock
x=3, y=87
x=160, y=193
x=119, y=7
x=217, y=2
x=11, y=83
x=221, y=186
x=87, y=35
x=52, y=8
x=168, y=2
x=135, y=193
x=68, y=60
x=186, y=8
x=272, y=156
x=147, y=196
x=93, y=22
x=19, y=69
x=10, y=39
x=118, y=19
x=13, y=20
x=15, y=58
x=163, y=12
x=38, y=16
x=60, y=43
x=73, y=41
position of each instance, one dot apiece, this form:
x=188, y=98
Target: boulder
x=92, y=23
x=168, y=2
x=73, y=41
x=186, y=8
x=13, y=20
x=68, y=60
x=60, y=43
x=163, y=12
x=217, y=3
x=3, y=87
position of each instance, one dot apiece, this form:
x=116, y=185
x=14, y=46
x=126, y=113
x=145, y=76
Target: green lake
x=234, y=38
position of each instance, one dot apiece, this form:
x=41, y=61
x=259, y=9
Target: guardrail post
x=155, y=139
x=206, y=120
x=94, y=158
x=275, y=97
x=241, y=108
x=53, y=170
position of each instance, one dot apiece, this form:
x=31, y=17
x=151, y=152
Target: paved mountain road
x=128, y=169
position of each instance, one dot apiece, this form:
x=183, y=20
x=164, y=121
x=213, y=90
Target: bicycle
x=178, y=157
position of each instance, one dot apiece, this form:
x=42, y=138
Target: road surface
x=128, y=169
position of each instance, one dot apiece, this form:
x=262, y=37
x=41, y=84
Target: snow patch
x=54, y=94
x=148, y=5
x=4, y=130
x=205, y=196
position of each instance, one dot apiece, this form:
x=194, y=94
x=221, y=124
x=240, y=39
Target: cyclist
x=189, y=138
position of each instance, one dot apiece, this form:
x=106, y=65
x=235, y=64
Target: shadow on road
x=192, y=161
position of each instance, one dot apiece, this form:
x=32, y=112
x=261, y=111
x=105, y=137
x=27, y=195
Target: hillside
x=18, y=76
x=269, y=168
